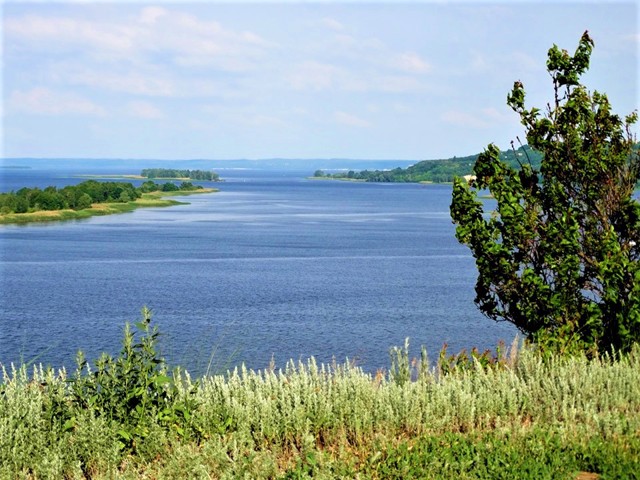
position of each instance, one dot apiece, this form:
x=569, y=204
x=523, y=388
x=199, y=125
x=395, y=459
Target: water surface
x=272, y=266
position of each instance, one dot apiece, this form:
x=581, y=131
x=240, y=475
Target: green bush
x=133, y=390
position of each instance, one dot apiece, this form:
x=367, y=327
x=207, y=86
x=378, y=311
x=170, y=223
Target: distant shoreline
x=361, y=180
x=148, y=200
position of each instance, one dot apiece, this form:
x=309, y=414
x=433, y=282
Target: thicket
x=81, y=196
x=515, y=416
x=173, y=173
x=559, y=257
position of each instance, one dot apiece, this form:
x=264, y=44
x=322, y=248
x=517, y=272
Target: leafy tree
x=169, y=187
x=148, y=186
x=559, y=257
x=84, y=201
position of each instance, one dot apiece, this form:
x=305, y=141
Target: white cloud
x=57, y=33
x=316, y=76
x=144, y=110
x=401, y=108
x=397, y=84
x=152, y=32
x=350, y=120
x=332, y=24
x=503, y=115
x=133, y=83
x=480, y=119
x=43, y=101
x=150, y=15
x=412, y=62
x=465, y=119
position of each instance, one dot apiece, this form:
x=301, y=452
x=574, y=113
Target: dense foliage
x=560, y=255
x=81, y=196
x=437, y=171
x=128, y=417
x=173, y=173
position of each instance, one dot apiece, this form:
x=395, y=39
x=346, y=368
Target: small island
x=173, y=174
x=88, y=199
x=165, y=174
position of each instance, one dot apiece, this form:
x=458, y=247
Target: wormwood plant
x=134, y=390
x=560, y=255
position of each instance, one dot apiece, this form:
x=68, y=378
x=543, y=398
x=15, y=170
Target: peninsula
x=89, y=198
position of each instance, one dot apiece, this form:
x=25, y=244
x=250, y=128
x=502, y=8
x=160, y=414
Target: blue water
x=272, y=266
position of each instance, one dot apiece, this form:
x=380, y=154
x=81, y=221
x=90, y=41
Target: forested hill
x=437, y=171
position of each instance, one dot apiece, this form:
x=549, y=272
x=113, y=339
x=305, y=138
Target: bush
x=134, y=389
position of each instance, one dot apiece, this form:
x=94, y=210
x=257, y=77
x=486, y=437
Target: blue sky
x=375, y=80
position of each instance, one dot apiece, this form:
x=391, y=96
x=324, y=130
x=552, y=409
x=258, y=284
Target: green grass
x=520, y=417
x=148, y=200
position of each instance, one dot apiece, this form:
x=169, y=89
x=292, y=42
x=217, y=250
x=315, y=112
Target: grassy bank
x=524, y=418
x=148, y=200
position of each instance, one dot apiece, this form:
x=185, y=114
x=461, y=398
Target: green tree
x=83, y=201
x=559, y=255
x=169, y=187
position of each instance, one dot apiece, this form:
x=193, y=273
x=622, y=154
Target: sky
x=363, y=80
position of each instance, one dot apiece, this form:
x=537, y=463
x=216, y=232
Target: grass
x=153, y=199
x=519, y=417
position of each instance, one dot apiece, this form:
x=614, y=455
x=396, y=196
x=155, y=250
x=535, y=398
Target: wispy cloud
x=332, y=24
x=478, y=119
x=412, y=62
x=317, y=76
x=132, y=82
x=345, y=118
x=404, y=79
x=144, y=110
x=43, y=101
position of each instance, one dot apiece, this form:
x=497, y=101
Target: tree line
x=437, y=171
x=81, y=196
x=206, y=175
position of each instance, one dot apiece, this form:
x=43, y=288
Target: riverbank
x=360, y=180
x=148, y=200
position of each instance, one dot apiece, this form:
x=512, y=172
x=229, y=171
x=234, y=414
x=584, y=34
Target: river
x=271, y=268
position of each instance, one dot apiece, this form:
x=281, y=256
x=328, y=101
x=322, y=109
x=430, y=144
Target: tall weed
x=133, y=390
x=127, y=415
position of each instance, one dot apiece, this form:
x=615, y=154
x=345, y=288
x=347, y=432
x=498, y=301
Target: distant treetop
x=206, y=175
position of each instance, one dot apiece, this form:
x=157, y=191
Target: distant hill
x=437, y=171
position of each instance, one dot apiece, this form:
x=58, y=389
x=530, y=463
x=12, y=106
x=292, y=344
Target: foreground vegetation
x=514, y=415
